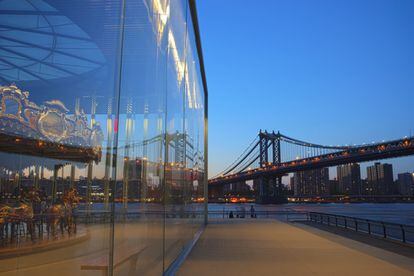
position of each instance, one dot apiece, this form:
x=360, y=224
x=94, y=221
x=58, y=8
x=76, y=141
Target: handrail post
x=384, y=230
x=356, y=225
x=345, y=223
x=369, y=227
x=336, y=221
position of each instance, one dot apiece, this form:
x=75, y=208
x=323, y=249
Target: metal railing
x=106, y=216
x=120, y=216
x=386, y=230
x=229, y=213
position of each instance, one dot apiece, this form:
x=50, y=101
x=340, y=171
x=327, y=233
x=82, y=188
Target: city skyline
x=348, y=182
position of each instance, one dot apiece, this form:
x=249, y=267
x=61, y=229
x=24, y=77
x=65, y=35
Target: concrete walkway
x=269, y=247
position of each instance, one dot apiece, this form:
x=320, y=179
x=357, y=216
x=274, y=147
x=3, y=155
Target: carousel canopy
x=40, y=43
x=59, y=49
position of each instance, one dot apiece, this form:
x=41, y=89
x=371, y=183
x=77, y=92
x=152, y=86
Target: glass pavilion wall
x=102, y=136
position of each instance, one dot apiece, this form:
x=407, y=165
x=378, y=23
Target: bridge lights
x=381, y=148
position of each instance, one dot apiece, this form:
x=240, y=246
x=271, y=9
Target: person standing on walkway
x=252, y=212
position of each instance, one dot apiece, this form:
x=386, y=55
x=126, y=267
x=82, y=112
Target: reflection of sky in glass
x=182, y=59
x=40, y=43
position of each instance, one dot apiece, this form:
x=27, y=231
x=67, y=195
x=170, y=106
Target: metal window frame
x=194, y=17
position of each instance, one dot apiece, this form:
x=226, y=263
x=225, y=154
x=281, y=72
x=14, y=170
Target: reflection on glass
x=101, y=136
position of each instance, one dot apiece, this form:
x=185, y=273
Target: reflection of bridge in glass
x=273, y=155
x=178, y=144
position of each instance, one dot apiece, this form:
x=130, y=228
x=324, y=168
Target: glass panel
x=139, y=194
x=175, y=197
x=101, y=136
x=195, y=128
x=58, y=96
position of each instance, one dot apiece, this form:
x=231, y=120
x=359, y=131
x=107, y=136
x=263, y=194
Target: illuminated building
x=311, y=183
x=380, y=180
x=405, y=184
x=333, y=187
x=349, y=179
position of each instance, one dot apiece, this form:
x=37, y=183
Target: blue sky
x=329, y=72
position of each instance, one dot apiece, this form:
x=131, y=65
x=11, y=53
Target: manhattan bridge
x=272, y=155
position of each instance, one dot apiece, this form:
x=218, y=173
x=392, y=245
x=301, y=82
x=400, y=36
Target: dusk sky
x=329, y=72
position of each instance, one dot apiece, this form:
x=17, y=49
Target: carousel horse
x=33, y=196
x=70, y=200
x=55, y=215
x=61, y=213
x=19, y=212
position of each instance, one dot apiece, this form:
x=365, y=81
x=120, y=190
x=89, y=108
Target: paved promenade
x=270, y=247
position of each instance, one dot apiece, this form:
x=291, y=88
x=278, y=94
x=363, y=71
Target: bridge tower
x=269, y=190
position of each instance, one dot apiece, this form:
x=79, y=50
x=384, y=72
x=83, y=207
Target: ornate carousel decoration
x=47, y=130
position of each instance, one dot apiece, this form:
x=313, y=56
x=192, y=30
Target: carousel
x=41, y=137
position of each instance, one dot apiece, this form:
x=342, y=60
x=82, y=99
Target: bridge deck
x=260, y=247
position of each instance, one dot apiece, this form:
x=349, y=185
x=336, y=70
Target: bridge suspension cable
x=253, y=158
x=231, y=167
